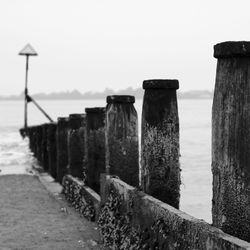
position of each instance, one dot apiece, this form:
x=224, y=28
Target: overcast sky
x=91, y=45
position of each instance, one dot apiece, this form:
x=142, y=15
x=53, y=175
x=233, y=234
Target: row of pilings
x=105, y=140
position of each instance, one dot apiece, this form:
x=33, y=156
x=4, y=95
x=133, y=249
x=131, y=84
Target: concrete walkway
x=33, y=215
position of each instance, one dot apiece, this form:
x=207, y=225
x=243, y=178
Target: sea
x=195, y=144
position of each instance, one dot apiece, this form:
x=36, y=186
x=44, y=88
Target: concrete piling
x=76, y=149
x=230, y=139
x=51, y=147
x=95, y=144
x=122, y=151
x=62, y=147
x=160, y=173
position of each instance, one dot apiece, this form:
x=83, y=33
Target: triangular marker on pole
x=28, y=51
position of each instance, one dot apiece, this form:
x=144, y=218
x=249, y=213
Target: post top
x=76, y=116
x=161, y=84
x=120, y=99
x=62, y=119
x=52, y=124
x=45, y=125
x=232, y=49
x=95, y=110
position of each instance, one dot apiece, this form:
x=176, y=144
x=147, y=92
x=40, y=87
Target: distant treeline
x=76, y=95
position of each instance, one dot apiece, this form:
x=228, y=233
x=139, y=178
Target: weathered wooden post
x=95, y=145
x=122, y=153
x=231, y=139
x=39, y=143
x=160, y=141
x=34, y=140
x=76, y=140
x=45, y=159
x=62, y=147
x=51, y=148
x=30, y=136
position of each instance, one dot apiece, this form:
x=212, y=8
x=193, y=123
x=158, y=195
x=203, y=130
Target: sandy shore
x=34, y=218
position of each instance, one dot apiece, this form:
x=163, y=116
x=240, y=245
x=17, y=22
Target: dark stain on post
x=95, y=144
x=230, y=139
x=122, y=150
x=76, y=149
x=45, y=158
x=62, y=147
x=51, y=147
x=160, y=141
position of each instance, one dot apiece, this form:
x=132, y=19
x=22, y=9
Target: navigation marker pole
x=26, y=51
x=29, y=51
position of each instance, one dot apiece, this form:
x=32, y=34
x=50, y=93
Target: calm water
x=195, y=141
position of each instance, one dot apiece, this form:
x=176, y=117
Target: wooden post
x=76, y=140
x=45, y=159
x=51, y=147
x=122, y=153
x=160, y=141
x=95, y=144
x=231, y=139
x=62, y=147
x=39, y=143
x=35, y=129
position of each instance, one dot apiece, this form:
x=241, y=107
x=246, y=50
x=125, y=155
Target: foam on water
x=15, y=157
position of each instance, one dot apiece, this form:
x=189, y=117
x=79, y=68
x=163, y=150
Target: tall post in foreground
x=122, y=153
x=160, y=141
x=62, y=147
x=95, y=144
x=51, y=147
x=76, y=149
x=231, y=139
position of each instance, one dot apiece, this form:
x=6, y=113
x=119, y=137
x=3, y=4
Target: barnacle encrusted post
x=95, y=144
x=231, y=139
x=76, y=149
x=160, y=141
x=122, y=148
x=62, y=147
x=51, y=147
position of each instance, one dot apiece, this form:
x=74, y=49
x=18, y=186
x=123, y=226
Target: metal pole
x=26, y=93
x=29, y=98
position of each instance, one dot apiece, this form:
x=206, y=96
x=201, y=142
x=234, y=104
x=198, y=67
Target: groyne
x=139, y=209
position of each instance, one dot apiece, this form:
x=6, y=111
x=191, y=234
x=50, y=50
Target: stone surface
x=83, y=199
x=131, y=219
